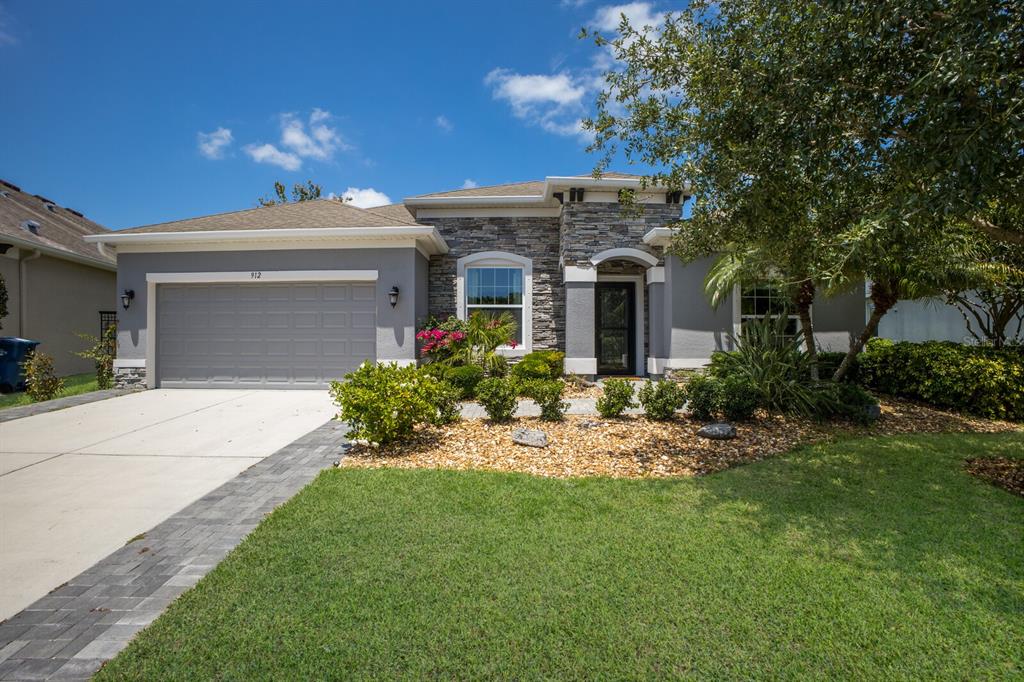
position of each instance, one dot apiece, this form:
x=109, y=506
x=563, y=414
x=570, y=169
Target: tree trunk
x=803, y=299
x=883, y=298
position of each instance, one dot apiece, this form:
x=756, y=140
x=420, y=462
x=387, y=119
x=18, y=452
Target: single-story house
x=298, y=294
x=57, y=284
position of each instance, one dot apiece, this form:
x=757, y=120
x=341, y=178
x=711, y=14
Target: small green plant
x=41, y=383
x=465, y=379
x=102, y=351
x=704, y=397
x=547, y=393
x=740, y=398
x=499, y=397
x=540, y=364
x=853, y=402
x=384, y=403
x=446, y=403
x=616, y=397
x=661, y=399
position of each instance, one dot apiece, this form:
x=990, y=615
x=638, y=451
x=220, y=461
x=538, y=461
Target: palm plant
x=485, y=333
x=775, y=364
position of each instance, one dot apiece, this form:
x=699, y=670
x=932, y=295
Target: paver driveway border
x=71, y=632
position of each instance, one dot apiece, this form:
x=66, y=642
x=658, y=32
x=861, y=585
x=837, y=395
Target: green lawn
x=874, y=559
x=73, y=385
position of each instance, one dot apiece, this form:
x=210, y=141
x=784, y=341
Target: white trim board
x=261, y=276
x=659, y=365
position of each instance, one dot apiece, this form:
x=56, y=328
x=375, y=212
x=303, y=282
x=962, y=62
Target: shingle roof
x=60, y=229
x=516, y=189
x=394, y=212
x=301, y=214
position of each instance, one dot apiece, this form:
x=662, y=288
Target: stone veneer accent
x=588, y=228
x=535, y=238
x=130, y=377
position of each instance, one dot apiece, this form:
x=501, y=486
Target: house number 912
x=256, y=275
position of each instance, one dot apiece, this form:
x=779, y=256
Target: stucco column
x=580, y=354
x=658, y=321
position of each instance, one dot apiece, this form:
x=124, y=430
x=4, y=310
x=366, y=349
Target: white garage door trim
x=253, y=276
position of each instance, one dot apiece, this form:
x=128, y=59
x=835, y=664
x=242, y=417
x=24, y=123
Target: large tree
x=827, y=136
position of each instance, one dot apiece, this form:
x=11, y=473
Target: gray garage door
x=263, y=335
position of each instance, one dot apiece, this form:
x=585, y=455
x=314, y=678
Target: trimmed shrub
x=852, y=402
x=540, y=364
x=384, y=403
x=102, y=351
x=499, y=397
x=976, y=379
x=829, y=361
x=446, y=402
x=548, y=395
x=616, y=397
x=40, y=381
x=661, y=399
x=465, y=379
x=704, y=397
x=739, y=398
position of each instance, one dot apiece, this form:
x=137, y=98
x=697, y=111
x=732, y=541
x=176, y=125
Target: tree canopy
x=300, y=192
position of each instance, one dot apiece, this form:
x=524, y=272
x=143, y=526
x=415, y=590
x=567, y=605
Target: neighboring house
x=57, y=284
x=296, y=295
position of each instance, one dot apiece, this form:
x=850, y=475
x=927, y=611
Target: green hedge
x=540, y=364
x=974, y=379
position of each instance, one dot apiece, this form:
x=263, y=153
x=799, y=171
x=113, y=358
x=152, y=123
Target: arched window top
x=494, y=258
x=635, y=255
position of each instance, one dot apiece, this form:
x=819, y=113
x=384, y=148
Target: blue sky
x=141, y=112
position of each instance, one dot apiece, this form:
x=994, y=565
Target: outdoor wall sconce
x=393, y=296
x=127, y=297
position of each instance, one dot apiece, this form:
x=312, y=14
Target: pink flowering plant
x=468, y=342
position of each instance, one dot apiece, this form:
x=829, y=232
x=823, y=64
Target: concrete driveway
x=78, y=483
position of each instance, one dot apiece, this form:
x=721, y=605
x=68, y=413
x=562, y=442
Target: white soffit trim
x=581, y=365
x=489, y=212
x=574, y=273
x=55, y=252
x=626, y=253
x=258, y=276
x=426, y=236
x=659, y=236
x=656, y=275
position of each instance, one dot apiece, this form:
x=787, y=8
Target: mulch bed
x=1000, y=471
x=634, y=447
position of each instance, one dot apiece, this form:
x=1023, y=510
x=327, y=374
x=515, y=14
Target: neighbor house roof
x=316, y=213
x=32, y=221
x=519, y=189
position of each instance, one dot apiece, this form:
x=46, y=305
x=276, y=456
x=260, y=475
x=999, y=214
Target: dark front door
x=615, y=327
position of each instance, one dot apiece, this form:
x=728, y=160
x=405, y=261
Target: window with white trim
x=760, y=300
x=496, y=290
x=496, y=282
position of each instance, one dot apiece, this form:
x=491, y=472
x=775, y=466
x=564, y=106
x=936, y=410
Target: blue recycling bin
x=12, y=353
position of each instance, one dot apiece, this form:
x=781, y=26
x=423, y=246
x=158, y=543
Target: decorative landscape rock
x=717, y=431
x=872, y=412
x=533, y=438
x=588, y=424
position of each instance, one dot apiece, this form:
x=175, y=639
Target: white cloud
x=7, y=36
x=469, y=184
x=365, y=198
x=639, y=14
x=268, y=153
x=573, y=4
x=444, y=124
x=213, y=145
x=552, y=102
x=321, y=140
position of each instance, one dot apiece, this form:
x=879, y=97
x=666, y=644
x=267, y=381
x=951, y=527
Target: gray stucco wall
x=579, y=333
x=534, y=238
x=62, y=298
x=695, y=329
x=396, y=267
x=10, y=323
x=837, y=320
